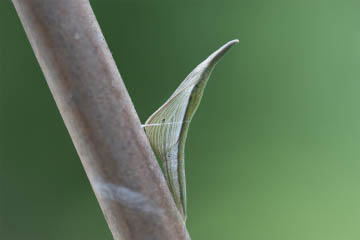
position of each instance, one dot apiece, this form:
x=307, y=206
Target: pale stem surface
x=101, y=119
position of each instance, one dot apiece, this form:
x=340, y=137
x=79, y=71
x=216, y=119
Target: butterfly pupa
x=167, y=127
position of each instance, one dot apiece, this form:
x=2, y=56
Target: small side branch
x=101, y=119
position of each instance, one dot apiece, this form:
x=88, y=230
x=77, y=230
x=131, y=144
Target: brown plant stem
x=101, y=119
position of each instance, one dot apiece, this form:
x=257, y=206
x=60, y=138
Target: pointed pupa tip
x=229, y=44
x=216, y=56
x=232, y=42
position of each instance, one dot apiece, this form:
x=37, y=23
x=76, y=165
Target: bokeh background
x=272, y=153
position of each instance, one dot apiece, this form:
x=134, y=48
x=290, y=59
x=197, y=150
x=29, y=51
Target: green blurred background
x=272, y=153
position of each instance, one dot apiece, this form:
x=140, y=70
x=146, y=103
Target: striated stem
x=101, y=119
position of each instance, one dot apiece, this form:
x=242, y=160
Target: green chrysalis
x=167, y=127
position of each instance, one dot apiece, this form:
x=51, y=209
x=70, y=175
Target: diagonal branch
x=101, y=119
